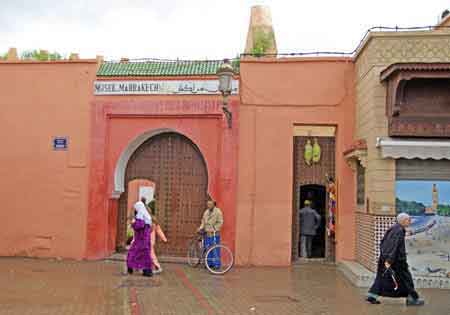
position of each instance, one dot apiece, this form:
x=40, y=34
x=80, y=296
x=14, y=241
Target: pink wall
x=119, y=120
x=275, y=96
x=61, y=203
x=44, y=192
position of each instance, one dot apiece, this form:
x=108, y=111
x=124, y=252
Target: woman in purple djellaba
x=139, y=253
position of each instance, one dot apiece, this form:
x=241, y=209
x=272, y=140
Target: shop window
x=360, y=184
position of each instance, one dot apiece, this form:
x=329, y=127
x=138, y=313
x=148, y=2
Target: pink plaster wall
x=66, y=196
x=44, y=193
x=275, y=96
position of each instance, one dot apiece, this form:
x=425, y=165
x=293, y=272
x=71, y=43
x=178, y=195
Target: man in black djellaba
x=393, y=278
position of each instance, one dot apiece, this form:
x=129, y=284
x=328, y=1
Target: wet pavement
x=29, y=286
x=35, y=287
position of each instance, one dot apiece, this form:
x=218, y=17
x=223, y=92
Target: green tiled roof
x=161, y=68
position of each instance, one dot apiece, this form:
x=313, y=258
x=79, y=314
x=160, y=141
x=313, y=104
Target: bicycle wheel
x=219, y=259
x=194, y=253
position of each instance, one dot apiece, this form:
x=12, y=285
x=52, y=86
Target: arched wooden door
x=179, y=172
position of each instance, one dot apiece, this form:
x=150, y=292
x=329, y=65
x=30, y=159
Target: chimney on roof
x=99, y=60
x=12, y=54
x=74, y=56
x=260, y=36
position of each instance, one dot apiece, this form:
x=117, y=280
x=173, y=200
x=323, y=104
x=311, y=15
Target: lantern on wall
x=225, y=74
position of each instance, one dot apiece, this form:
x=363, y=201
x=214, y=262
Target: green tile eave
x=159, y=68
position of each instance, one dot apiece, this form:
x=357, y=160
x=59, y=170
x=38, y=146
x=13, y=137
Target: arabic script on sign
x=160, y=87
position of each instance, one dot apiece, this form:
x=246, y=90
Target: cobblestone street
x=30, y=286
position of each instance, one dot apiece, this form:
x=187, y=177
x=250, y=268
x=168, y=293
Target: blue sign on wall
x=60, y=143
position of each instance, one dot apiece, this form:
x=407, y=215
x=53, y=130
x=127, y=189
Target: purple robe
x=139, y=253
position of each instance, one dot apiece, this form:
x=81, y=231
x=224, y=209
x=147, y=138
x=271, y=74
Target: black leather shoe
x=372, y=300
x=130, y=271
x=147, y=273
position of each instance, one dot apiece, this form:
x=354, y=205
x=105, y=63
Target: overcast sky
x=197, y=29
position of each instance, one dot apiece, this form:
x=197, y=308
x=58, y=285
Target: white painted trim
x=116, y=194
x=382, y=142
x=314, y=131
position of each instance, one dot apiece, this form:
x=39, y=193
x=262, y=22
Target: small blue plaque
x=60, y=143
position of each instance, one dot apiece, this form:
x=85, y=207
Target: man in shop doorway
x=309, y=223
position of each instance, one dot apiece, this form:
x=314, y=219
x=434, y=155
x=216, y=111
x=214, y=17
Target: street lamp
x=225, y=74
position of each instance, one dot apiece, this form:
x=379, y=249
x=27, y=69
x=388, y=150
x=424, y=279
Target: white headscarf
x=142, y=212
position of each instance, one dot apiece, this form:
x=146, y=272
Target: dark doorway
x=310, y=178
x=317, y=195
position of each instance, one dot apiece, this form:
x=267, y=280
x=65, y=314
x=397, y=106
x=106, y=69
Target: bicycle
x=217, y=258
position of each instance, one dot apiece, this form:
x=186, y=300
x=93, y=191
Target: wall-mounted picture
x=428, y=240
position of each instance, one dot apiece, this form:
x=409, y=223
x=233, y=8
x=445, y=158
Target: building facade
x=359, y=136
x=401, y=143
x=284, y=104
x=160, y=122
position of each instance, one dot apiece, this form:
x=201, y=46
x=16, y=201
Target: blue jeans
x=214, y=256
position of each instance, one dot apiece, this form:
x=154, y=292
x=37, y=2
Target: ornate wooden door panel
x=179, y=172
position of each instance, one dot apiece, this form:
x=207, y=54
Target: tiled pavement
x=48, y=287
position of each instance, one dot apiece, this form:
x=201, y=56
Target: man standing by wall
x=309, y=223
x=212, y=222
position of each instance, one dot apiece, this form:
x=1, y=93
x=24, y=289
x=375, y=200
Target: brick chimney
x=74, y=56
x=12, y=54
x=260, y=36
x=99, y=59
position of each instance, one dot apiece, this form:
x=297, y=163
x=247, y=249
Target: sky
x=420, y=191
x=197, y=29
